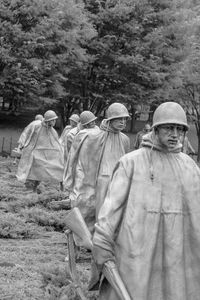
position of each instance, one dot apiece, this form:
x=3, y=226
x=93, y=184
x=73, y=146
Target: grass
x=33, y=245
x=23, y=278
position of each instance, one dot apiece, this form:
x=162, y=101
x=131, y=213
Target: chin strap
x=151, y=169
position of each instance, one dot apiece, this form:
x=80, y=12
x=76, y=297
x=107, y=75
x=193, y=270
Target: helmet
x=39, y=117
x=50, y=115
x=117, y=110
x=87, y=117
x=75, y=118
x=169, y=113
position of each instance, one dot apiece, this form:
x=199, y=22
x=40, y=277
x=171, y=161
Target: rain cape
x=42, y=157
x=78, y=173
x=68, y=139
x=65, y=131
x=92, y=159
x=150, y=219
x=114, y=145
x=26, y=134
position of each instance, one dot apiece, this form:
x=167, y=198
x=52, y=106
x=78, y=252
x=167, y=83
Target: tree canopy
x=85, y=54
x=41, y=43
x=186, y=86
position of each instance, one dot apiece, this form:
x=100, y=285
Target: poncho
x=42, y=157
x=94, y=154
x=26, y=134
x=63, y=134
x=114, y=145
x=68, y=140
x=78, y=173
x=151, y=221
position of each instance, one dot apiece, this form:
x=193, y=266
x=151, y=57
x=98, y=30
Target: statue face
x=90, y=125
x=118, y=124
x=52, y=123
x=73, y=123
x=169, y=135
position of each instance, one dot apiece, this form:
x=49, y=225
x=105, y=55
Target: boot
x=35, y=185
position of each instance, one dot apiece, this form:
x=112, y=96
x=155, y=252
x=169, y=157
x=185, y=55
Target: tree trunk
x=132, y=127
x=84, y=94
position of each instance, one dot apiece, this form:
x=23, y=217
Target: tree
x=186, y=83
x=42, y=43
x=86, y=54
x=187, y=88
x=138, y=47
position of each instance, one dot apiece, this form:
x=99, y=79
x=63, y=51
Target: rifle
x=77, y=225
x=72, y=264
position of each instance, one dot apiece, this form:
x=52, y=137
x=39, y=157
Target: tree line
x=86, y=54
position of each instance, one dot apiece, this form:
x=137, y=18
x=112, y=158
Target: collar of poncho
x=150, y=140
x=105, y=125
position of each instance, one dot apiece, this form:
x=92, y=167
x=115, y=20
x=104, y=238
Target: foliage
x=33, y=262
x=41, y=43
x=12, y=203
x=58, y=285
x=186, y=87
x=136, y=50
x=75, y=55
x=49, y=219
x=58, y=275
x=56, y=281
x=12, y=226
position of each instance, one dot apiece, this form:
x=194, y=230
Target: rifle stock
x=77, y=225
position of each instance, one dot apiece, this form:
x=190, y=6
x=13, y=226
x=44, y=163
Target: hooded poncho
x=24, y=138
x=115, y=144
x=151, y=215
x=92, y=159
x=78, y=174
x=64, y=133
x=42, y=156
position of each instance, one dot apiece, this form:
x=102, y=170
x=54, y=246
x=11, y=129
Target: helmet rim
x=117, y=110
x=170, y=113
x=93, y=119
x=87, y=117
x=170, y=122
x=52, y=116
x=75, y=118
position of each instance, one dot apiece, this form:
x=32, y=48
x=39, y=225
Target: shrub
x=59, y=286
x=43, y=217
x=14, y=205
x=12, y=226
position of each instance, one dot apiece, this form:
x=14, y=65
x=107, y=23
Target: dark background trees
x=75, y=55
x=42, y=44
x=186, y=82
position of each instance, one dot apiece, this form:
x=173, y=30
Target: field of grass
x=33, y=245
